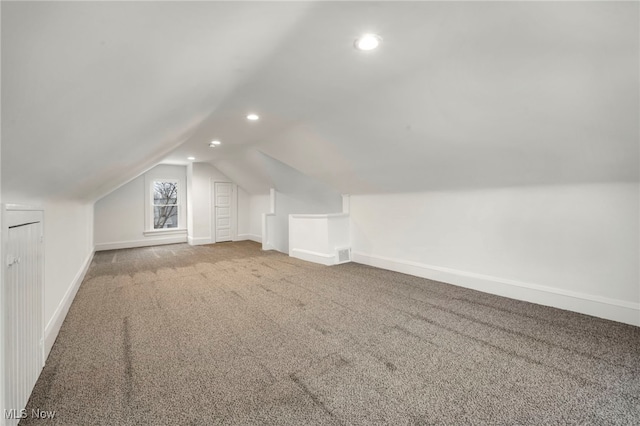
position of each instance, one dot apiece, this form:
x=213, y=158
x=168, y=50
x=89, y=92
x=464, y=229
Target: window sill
x=178, y=231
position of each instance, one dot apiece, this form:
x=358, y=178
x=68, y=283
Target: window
x=165, y=204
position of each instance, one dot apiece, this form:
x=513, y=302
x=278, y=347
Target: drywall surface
x=189, y=172
x=119, y=217
x=244, y=215
x=300, y=203
x=201, y=177
x=295, y=193
x=576, y=242
x=2, y=303
x=259, y=204
x=317, y=237
x=68, y=250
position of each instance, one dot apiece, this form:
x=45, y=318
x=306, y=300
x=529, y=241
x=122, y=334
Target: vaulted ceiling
x=459, y=94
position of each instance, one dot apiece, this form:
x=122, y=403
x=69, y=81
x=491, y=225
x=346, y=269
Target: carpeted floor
x=228, y=334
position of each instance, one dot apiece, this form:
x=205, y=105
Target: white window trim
x=148, y=207
x=171, y=231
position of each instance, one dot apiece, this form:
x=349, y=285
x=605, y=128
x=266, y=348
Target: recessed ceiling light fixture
x=253, y=117
x=191, y=158
x=213, y=144
x=367, y=42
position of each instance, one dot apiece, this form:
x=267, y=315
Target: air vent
x=343, y=255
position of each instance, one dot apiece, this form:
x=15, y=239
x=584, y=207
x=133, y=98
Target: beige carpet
x=228, y=334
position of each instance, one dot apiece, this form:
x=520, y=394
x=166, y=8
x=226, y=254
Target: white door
x=222, y=195
x=24, y=331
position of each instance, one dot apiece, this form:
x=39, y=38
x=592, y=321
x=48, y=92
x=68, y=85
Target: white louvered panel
x=24, y=326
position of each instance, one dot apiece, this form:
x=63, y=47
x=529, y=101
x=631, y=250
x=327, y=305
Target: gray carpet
x=228, y=334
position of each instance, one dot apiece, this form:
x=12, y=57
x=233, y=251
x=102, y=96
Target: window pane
x=165, y=204
x=165, y=217
x=165, y=193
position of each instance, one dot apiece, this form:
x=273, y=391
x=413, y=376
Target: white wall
x=295, y=193
x=574, y=247
x=200, y=180
x=68, y=250
x=2, y=325
x=317, y=237
x=258, y=205
x=67, y=254
x=119, y=217
x=244, y=215
x=200, y=213
x=300, y=203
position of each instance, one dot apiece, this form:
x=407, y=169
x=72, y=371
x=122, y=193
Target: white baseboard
x=53, y=327
x=141, y=243
x=312, y=256
x=251, y=237
x=598, y=306
x=199, y=241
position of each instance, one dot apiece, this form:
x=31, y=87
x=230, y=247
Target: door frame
x=212, y=208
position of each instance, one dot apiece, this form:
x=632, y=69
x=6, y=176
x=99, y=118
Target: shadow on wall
x=296, y=193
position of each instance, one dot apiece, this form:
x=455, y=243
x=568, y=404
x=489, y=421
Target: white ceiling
x=459, y=95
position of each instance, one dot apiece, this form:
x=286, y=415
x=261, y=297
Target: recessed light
x=191, y=158
x=213, y=144
x=252, y=117
x=367, y=42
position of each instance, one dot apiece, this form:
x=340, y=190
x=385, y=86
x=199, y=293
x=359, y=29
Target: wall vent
x=343, y=255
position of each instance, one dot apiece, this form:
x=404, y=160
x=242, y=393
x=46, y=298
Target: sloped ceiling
x=459, y=95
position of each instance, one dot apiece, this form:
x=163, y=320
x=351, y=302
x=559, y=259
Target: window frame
x=150, y=206
x=155, y=205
